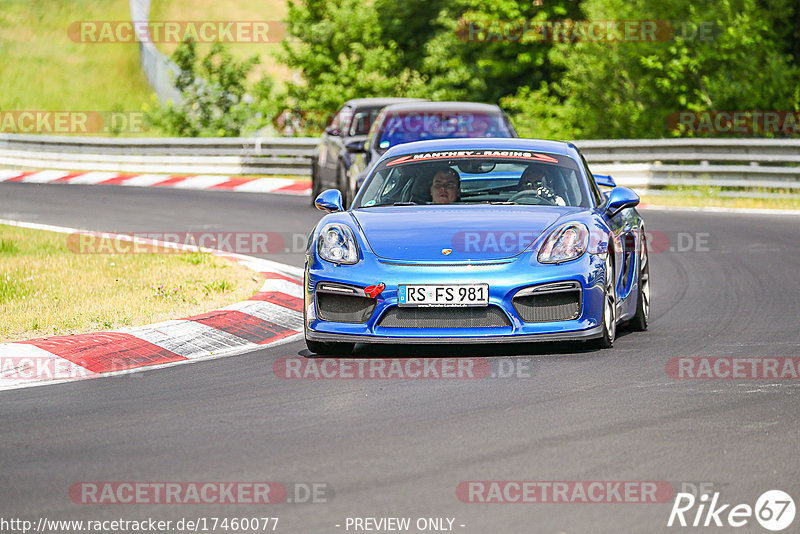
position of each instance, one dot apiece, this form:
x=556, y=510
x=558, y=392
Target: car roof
x=485, y=143
x=378, y=101
x=442, y=106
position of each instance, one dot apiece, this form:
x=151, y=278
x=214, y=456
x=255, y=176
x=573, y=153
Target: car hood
x=474, y=233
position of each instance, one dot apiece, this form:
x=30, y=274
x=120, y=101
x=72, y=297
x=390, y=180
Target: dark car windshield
x=362, y=120
x=476, y=177
x=406, y=127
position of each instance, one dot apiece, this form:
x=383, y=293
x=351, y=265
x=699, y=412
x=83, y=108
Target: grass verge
x=705, y=197
x=272, y=11
x=42, y=69
x=46, y=289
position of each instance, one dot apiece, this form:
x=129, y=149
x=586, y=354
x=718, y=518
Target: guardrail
x=739, y=163
x=205, y=155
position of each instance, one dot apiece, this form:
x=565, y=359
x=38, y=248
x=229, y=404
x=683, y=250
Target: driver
x=535, y=179
x=446, y=185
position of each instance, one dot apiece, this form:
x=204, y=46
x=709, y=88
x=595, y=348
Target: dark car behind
x=351, y=124
x=418, y=121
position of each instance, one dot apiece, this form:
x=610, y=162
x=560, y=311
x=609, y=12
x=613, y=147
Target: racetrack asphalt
x=400, y=448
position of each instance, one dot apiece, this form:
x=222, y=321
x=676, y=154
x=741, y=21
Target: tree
x=339, y=48
x=215, y=98
x=630, y=89
x=484, y=51
x=419, y=48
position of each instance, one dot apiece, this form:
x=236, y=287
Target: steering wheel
x=542, y=194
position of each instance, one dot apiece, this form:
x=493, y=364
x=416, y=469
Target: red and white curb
x=273, y=315
x=203, y=181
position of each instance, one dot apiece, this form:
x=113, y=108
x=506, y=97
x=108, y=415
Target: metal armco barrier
x=739, y=163
x=207, y=155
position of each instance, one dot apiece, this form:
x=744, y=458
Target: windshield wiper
x=405, y=204
x=506, y=202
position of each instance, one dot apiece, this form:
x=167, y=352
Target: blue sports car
x=476, y=241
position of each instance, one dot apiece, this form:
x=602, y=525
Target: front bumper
x=580, y=335
x=505, y=279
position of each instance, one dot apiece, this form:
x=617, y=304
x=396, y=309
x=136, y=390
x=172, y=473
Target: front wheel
x=324, y=349
x=609, y=308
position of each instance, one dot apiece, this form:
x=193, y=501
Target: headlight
x=565, y=243
x=337, y=244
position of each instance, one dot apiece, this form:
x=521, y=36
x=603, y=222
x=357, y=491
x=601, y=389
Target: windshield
x=362, y=121
x=412, y=126
x=476, y=177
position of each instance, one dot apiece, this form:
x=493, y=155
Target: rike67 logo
x=774, y=510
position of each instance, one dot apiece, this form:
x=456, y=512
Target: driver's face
x=444, y=189
x=534, y=182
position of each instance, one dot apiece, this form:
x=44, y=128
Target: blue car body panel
x=404, y=245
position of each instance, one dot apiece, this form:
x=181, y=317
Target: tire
x=324, y=349
x=316, y=187
x=343, y=183
x=609, y=307
x=642, y=316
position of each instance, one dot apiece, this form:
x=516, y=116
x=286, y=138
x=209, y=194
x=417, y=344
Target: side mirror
x=329, y=200
x=333, y=131
x=620, y=198
x=356, y=145
x=604, y=180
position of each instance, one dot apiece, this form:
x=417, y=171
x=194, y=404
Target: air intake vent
x=551, y=302
x=343, y=304
x=484, y=317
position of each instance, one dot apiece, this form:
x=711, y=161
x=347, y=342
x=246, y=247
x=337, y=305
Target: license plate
x=443, y=295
